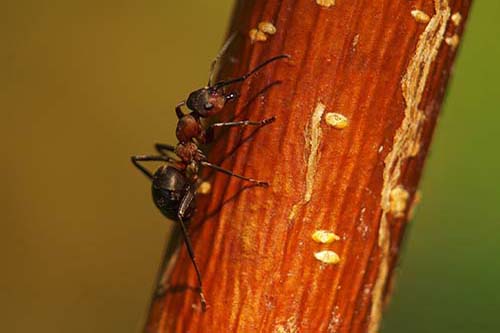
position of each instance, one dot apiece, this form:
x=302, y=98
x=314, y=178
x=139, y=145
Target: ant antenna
x=218, y=56
x=221, y=84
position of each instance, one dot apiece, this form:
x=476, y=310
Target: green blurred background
x=85, y=84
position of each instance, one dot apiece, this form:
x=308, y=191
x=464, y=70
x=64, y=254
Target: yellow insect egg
x=324, y=236
x=327, y=257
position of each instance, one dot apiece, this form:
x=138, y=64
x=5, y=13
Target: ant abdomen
x=168, y=188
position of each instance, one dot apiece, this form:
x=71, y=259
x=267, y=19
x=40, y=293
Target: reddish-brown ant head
x=206, y=101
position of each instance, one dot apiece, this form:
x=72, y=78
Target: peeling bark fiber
x=356, y=105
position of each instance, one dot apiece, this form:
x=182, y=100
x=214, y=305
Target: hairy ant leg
x=186, y=202
x=164, y=149
x=209, y=132
x=148, y=158
x=244, y=123
x=232, y=174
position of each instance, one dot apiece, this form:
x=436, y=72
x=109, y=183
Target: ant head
x=206, y=101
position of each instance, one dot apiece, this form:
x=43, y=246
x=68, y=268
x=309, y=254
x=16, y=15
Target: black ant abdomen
x=168, y=188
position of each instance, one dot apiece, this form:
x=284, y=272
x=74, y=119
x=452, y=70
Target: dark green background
x=85, y=84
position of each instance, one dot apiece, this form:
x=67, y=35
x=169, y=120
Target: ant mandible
x=175, y=184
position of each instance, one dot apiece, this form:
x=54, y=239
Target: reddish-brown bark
x=386, y=71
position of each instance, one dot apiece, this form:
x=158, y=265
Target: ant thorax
x=189, y=152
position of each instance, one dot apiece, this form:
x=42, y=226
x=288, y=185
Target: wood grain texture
x=374, y=63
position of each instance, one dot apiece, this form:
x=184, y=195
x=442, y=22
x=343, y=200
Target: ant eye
x=208, y=106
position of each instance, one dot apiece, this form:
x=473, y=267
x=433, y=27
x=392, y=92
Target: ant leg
x=178, y=109
x=209, y=132
x=138, y=158
x=230, y=173
x=163, y=148
x=183, y=207
x=244, y=123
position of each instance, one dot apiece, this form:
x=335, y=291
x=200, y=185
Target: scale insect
x=175, y=183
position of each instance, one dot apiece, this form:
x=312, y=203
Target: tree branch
x=356, y=106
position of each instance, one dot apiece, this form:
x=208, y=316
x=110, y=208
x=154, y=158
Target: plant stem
x=382, y=68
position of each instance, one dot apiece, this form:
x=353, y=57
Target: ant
x=175, y=184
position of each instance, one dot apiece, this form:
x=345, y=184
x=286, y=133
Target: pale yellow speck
x=336, y=120
x=420, y=16
x=324, y=236
x=355, y=41
x=453, y=41
x=398, y=201
x=456, y=19
x=267, y=27
x=326, y=3
x=327, y=257
x=257, y=35
x=204, y=188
